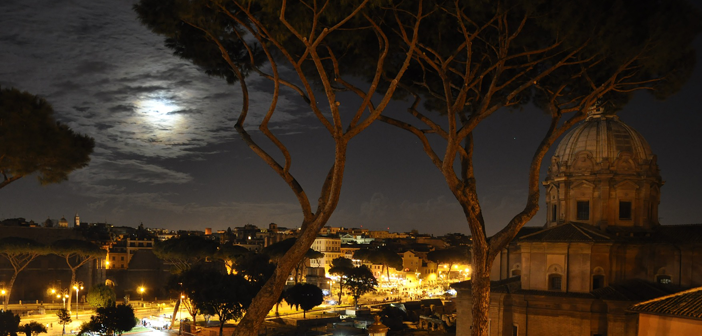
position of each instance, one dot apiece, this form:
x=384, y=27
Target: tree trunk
x=270, y=292
x=175, y=312
x=341, y=289
x=480, y=292
x=9, y=291
x=221, y=326
x=70, y=288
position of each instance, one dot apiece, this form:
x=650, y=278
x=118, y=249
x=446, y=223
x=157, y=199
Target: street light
x=63, y=295
x=141, y=291
x=78, y=285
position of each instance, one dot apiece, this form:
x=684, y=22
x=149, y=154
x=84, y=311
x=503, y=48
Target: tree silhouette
x=64, y=317
x=182, y=252
x=76, y=253
x=33, y=142
x=230, y=254
x=101, y=295
x=9, y=323
x=234, y=38
x=360, y=281
x=19, y=252
x=110, y=320
x=217, y=293
x=305, y=296
x=33, y=328
x=341, y=267
x=380, y=256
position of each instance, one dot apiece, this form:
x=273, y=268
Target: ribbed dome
x=604, y=136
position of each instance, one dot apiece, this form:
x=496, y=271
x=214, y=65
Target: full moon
x=159, y=117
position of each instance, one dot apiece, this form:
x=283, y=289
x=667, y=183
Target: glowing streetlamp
x=78, y=285
x=141, y=291
x=63, y=295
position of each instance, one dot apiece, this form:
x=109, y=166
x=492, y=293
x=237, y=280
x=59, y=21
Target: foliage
x=341, y=267
x=77, y=253
x=360, y=281
x=33, y=328
x=456, y=239
x=186, y=283
x=256, y=268
x=381, y=256
x=216, y=293
x=76, y=247
x=64, y=316
x=19, y=252
x=185, y=250
x=113, y=319
x=33, y=142
x=230, y=254
x=9, y=323
x=101, y=295
x=305, y=296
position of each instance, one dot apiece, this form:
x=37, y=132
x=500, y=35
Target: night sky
x=167, y=154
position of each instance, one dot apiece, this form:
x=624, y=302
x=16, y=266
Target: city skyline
x=167, y=154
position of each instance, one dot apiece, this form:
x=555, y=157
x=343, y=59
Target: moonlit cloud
x=109, y=77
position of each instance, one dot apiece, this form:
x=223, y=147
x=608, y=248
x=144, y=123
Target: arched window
x=555, y=282
x=598, y=278
x=663, y=278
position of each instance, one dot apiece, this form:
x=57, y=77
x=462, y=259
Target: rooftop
x=685, y=304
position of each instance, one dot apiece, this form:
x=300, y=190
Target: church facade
x=602, y=248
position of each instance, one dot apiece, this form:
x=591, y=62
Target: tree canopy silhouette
x=32, y=141
x=19, y=252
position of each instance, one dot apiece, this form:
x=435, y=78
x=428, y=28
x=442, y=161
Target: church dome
x=603, y=173
x=604, y=137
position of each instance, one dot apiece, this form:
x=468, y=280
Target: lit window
x=583, y=211
x=624, y=210
x=664, y=279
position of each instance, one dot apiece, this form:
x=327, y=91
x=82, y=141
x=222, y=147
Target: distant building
x=330, y=247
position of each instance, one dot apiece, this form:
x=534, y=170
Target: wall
x=654, y=325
